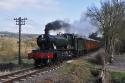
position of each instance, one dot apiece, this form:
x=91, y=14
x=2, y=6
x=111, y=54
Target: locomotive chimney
x=46, y=32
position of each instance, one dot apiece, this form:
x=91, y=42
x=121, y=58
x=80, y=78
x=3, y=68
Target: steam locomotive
x=56, y=48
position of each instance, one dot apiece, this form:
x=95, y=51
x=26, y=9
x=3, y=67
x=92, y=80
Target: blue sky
x=40, y=12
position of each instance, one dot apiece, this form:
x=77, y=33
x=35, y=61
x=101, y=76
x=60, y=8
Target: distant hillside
x=15, y=35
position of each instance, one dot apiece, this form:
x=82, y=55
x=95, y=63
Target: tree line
x=110, y=20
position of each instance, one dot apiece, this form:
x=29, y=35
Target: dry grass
x=9, y=48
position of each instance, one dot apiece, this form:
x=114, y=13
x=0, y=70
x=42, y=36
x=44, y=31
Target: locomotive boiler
x=52, y=42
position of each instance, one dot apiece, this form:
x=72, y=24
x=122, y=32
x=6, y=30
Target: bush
x=95, y=72
x=96, y=60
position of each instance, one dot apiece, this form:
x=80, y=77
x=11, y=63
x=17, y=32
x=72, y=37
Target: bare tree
x=109, y=19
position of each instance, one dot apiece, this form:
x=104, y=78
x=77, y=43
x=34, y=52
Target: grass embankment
x=118, y=77
x=24, y=62
x=77, y=71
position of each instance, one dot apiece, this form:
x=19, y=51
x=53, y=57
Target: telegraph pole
x=20, y=21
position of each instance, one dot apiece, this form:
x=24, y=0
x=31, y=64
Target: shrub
x=98, y=59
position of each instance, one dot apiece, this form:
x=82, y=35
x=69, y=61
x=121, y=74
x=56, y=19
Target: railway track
x=16, y=77
x=9, y=78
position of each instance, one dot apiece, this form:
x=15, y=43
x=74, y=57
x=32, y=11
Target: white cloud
x=26, y=4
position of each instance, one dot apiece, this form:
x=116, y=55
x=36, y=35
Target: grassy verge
x=24, y=63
